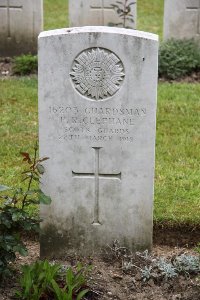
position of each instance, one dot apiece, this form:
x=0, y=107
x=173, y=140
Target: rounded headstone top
x=100, y=29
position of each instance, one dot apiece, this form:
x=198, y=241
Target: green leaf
x=22, y=251
x=5, y=221
x=4, y=188
x=43, y=198
x=16, y=216
x=69, y=277
x=56, y=289
x=40, y=169
x=82, y=294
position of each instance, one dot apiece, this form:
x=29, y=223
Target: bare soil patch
x=109, y=281
x=193, y=78
x=176, y=235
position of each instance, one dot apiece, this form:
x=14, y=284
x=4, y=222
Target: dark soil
x=109, y=281
x=176, y=235
x=193, y=78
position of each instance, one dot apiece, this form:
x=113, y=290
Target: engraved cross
x=8, y=6
x=96, y=175
x=101, y=6
x=195, y=5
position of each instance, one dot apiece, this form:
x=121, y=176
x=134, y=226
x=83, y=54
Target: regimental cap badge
x=97, y=73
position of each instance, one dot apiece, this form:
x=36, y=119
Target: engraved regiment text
x=96, y=123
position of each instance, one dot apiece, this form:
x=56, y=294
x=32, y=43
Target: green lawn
x=150, y=16
x=18, y=123
x=55, y=14
x=178, y=126
x=177, y=183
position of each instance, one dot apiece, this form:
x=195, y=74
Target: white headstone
x=21, y=21
x=182, y=19
x=101, y=13
x=97, y=123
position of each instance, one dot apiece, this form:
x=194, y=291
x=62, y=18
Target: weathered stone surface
x=97, y=114
x=21, y=21
x=100, y=13
x=182, y=19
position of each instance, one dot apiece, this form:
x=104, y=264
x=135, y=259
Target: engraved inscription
x=9, y=7
x=97, y=73
x=97, y=124
x=96, y=175
x=195, y=6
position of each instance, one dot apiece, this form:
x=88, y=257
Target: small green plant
x=187, y=264
x=25, y=64
x=43, y=280
x=168, y=271
x=146, y=273
x=178, y=58
x=123, y=10
x=155, y=268
x=163, y=269
x=14, y=217
x=159, y=269
x=74, y=282
x=36, y=279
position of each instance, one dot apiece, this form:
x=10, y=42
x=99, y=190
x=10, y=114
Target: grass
x=55, y=14
x=150, y=16
x=177, y=148
x=18, y=123
x=177, y=153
